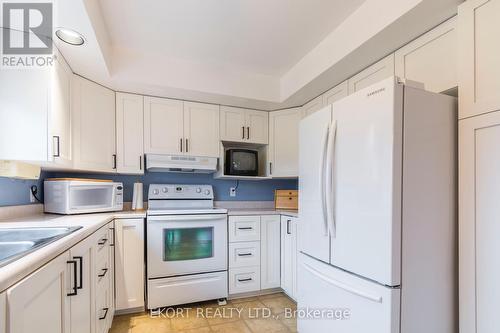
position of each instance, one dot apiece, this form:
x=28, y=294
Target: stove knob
x=198, y=190
x=207, y=192
x=156, y=191
x=165, y=189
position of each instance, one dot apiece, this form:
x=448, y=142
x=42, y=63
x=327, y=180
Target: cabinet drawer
x=244, y=228
x=102, y=242
x=244, y=279
x=244, y=254
x=103, y=272
x=103, y=308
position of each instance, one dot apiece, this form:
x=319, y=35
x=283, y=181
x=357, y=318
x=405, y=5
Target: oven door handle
x=209, y=217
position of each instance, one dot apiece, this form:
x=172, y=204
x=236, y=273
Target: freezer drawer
x=365, y=306
x=186, y=289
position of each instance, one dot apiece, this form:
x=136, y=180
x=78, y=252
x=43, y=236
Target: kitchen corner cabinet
x=180, y=128
x=289, y=256
x=129, y=133
x=312, y=106
x=59, y=144
x=373, y=74
x=39, y=303
x=283, y=146
x=129, y=263
x=479, y=51
x=270, y=251
x=243, y=125
x=93, y=125
x=432, y=58
x=479, y=227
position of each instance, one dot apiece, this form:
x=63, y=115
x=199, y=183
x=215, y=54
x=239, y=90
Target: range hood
x=176, y=163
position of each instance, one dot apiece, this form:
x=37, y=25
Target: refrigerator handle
x=329, y=179
x=343, y=286
x=322, y=180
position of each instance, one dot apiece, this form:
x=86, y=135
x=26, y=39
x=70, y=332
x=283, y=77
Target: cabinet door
x=163, y=126
x=129, y=263
x=313, y=106
x=129, y=133
x=112, y=275
x=24, y=105
x=81, y=316
x=479, y=227
x=294, y=226
x=270, y=252
x=373, y=74
x=39, y=303
x=3, y=312
x=201, y=129
x=286, y=255
x=232, y=124
x=257, y=126
x=284, y=142
x=431, y=59
x=338, y=92
x=60, y=114
x=479, y=51
x=93, y=126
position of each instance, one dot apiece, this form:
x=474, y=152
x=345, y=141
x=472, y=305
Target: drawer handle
x=245, y=280
x=103, y=274
x=245, y=228
x=105, y=314
x=102, y=241
x=245, y=254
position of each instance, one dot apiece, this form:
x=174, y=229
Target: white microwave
x=80, y=196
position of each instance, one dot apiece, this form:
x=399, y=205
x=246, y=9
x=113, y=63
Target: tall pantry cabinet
x=479, y=165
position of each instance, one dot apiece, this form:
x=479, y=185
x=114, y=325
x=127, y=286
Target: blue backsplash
x=16, y=192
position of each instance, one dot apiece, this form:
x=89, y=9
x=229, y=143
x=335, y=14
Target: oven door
x=186, y=244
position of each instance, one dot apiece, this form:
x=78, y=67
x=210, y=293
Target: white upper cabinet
x=163, y=126
x=479, y=54
x=93, y=123
x=243, y=125
x=180, y=128
x=313, y=106
x=338, y=92
x=432, y=58
x=60, y=114
x=201, y=129
x=129, y=133
x=41, y=301
x=24, y=105
x=284, y=142
x=373, y=74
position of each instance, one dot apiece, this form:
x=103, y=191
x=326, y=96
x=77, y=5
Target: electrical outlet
x=232, y=192
x=32, y=197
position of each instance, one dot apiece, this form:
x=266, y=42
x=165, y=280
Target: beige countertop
x=17, y=270
x=262, y=211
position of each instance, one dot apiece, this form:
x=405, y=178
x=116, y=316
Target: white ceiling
x=260, y=36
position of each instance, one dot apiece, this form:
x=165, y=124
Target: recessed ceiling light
x=70, y=36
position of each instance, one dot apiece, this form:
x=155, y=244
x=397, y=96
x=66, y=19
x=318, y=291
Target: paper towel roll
x=137, y=199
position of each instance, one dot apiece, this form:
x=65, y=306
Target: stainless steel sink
x=17, y=242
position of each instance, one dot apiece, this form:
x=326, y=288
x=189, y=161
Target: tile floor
x=261, y=314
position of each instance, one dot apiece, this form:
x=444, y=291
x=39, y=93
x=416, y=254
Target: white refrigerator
x=377, y=213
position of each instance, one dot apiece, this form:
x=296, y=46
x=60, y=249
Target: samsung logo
x=375, y=92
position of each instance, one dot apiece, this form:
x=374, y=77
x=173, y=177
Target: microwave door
x=93, y=197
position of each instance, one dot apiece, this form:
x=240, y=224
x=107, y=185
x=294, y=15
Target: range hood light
x=69, y=36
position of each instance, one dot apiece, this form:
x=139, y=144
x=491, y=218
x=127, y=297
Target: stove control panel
x=172, y=192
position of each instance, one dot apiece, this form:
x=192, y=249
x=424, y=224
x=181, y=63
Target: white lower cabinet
x=289, y=256
x=129, y=263
x=40, y=302
x=270, y=245
x=3, y=312
x=244, y=279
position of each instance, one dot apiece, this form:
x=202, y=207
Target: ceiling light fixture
x=70, y=36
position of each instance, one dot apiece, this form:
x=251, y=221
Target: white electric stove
x=186, y=245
